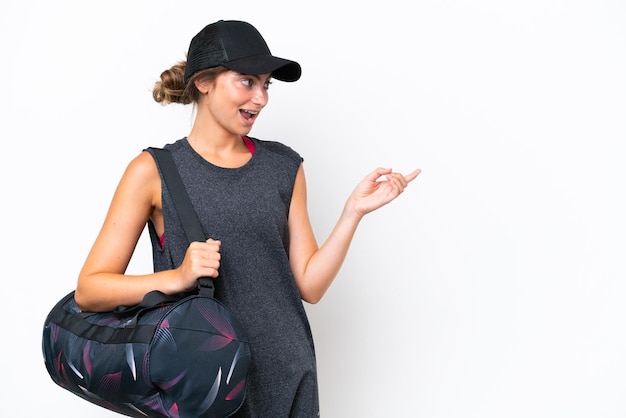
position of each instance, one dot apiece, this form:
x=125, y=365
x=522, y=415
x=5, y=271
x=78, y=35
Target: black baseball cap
x=237, y=46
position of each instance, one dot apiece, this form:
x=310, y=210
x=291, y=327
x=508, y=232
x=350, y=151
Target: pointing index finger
x=412, y=175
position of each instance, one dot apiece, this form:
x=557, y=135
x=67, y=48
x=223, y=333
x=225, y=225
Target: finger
x=204, y=250
x=376, y=174
x=411, y=176
x=397, y=180
x=403, y=180
x=213, y=244
x=208, y=260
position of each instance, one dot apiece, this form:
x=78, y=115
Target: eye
x=267, y=84
x=247, y=82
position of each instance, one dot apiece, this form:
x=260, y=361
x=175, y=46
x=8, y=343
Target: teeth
x=250, y=112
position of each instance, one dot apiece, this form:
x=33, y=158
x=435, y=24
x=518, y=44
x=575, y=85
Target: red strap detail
x=249, y=144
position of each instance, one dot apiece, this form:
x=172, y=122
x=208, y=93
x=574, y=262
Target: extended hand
x=372, y=193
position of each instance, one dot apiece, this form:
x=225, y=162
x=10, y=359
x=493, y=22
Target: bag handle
x=184, y=208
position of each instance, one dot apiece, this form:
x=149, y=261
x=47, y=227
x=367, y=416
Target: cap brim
x=281, y=69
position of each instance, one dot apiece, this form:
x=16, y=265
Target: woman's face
x=235, y=100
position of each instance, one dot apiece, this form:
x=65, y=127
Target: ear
x=203, y=86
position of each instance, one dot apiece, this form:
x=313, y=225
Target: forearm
x=325, y=263
x=101, y=292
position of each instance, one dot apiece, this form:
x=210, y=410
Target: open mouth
x=248, y=115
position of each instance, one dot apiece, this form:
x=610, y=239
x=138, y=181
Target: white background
x=493, y=287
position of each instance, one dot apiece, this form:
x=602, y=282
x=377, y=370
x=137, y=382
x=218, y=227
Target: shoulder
x=143, y=165
x=140, y=183
x=141, y=173
x=279, y=149
x=151, y=158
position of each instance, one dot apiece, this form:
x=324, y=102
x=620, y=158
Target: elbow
x=311, y=300
x=311, y=295
x=312, y=292
x=79, y=299
x=83, y=296
x=82, y=301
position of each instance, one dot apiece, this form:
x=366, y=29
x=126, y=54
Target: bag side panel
x=113, y=376
x=200, y=359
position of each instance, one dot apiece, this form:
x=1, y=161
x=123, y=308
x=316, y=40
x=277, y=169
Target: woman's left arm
x=314, y=267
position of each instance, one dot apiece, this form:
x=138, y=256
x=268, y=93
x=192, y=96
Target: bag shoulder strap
x=184, y=208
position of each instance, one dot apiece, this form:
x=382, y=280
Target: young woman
x=250, y=196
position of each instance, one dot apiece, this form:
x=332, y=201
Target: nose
x=260, y=96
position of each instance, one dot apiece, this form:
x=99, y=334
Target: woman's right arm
x=102, y=284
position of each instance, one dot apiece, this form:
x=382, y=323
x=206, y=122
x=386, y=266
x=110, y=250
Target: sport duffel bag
x=180, y=356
